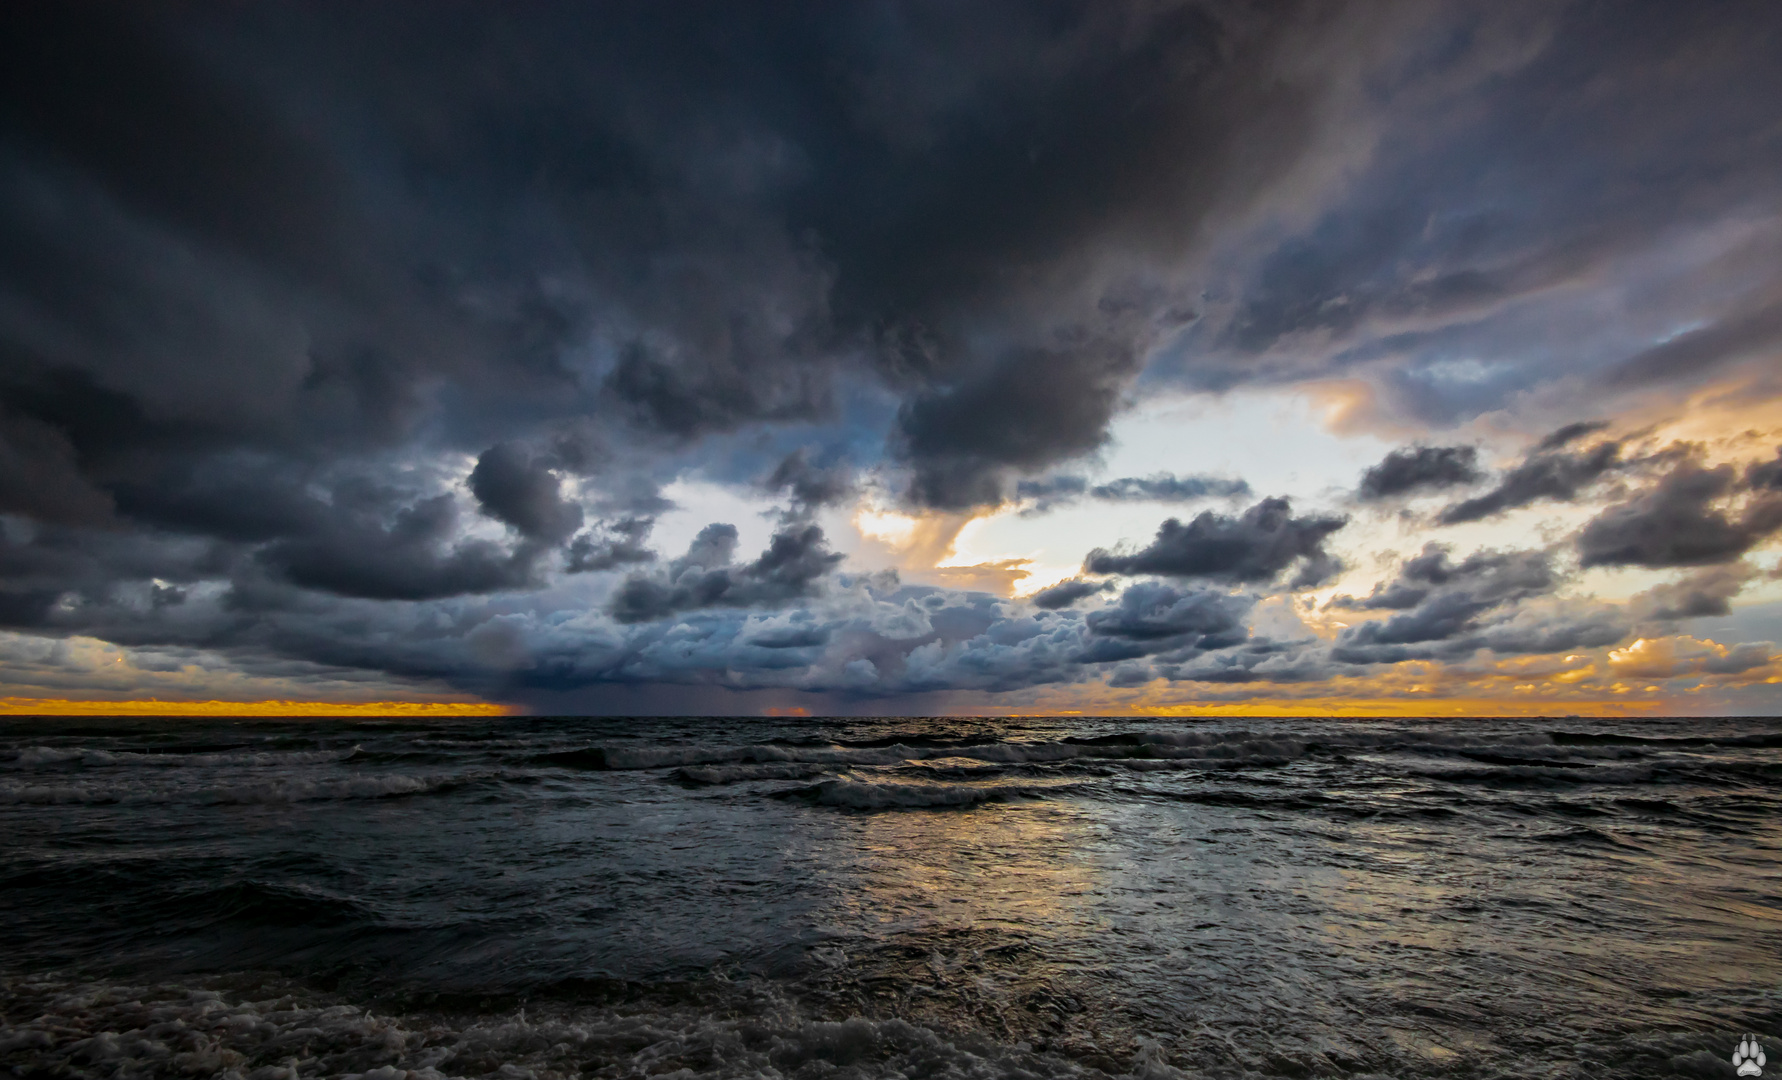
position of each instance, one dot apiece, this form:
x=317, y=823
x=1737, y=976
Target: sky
x=1403, y=358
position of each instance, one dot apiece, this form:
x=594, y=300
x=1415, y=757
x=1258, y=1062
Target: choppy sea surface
x=907, y=897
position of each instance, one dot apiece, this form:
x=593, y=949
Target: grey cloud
x=623, y=545
x=791, y=568
x=1256, y=546
x=1166, y=487
x=1066, y=593
x=1049, y=493
x=1054, y=491
x=1708, y=591
x=1034, y=409
x=1570, y=433
x=811, y=486
x=1739, y=336
x=1452, y=301
x=409, y=558
x=1549, y=472
x=1418, y=469
x=517, y=489
x=1765, y=475
x=1440, y=604
x=1152, y=617
x=262, y=270
x=1676, y=522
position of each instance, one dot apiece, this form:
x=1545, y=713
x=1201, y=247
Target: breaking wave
x=282, y=1033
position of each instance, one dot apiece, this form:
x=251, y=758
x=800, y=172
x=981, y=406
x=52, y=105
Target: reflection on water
x=1284, y=897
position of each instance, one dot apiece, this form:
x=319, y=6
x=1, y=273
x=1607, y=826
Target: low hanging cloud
x=1254, y=547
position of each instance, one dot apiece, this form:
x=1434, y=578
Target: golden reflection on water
x=1013, y=867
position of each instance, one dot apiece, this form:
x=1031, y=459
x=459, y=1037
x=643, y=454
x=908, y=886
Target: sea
x=892, y=897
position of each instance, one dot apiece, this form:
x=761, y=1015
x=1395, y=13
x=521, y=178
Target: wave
x=279, y=1032
x=733, y=774
x=1549, y=774
x=891, y=795
x=275, y=904
x=271, y=791
x=1661, y=742
x=40, y=756
x=1213, y=749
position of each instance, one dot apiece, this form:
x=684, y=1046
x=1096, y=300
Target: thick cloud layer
x=382, y=343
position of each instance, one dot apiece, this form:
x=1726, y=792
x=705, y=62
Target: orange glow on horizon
x=17, y=706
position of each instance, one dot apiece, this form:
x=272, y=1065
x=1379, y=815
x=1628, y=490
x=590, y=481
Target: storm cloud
x=379, y=343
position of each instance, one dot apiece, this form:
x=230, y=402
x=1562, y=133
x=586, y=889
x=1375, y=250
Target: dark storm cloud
x=1255, y=546
x=791, y=568
x=1682, y=520
x=622, y=545
x=515, y=488
x=310, y=235
x=272, y=279
x=1033, y=410
x=410, y=557
x=1548, y=472
x=810, y=486
x=1420, y=468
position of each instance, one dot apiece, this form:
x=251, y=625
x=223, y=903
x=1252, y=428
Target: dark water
x=911, y=897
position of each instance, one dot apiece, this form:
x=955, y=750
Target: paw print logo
x=1748, y=1056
